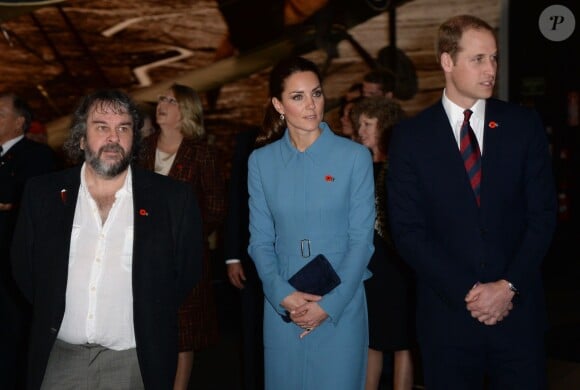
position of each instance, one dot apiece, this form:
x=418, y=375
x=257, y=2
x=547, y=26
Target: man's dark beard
x=110, y=171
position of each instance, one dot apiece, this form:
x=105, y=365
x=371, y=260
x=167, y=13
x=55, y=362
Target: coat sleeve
x=262, y=239
x=361, y=220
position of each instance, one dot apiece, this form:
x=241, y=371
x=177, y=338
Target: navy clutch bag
x=318, y=277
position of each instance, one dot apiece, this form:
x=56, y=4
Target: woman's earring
x=281, y=117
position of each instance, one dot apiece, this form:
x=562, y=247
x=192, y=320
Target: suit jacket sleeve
x=22, y=245
x=236, y=235
x=189, y=244
x=541, y=207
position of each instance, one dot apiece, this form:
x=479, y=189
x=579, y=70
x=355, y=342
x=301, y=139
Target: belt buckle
x=305, y=248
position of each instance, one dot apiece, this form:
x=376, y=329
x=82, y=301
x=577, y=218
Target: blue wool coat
x=325, y=195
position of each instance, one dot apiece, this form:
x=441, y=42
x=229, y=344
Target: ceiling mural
x=53, y=52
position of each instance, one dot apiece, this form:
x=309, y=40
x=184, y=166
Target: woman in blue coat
x=311, y=192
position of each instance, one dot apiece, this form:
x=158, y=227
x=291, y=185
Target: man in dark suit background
x=106, y=253
x=476, y=248
x=20, y=159
x=240, y=267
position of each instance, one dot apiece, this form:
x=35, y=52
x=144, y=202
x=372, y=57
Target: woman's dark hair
x=110, y=99
x=273, y=125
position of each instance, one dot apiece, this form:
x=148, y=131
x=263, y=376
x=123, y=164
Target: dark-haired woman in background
x=390, y=290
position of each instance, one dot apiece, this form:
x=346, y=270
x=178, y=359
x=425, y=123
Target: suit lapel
x=145, y=201
x=444, y=141
x=448, y=157
x=61, y=215
x=493, y=145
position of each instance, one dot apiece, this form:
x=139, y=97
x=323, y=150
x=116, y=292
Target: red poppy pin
x=180, y=166
x=493, y=124
x=329, y=178
x=143, y=212
x=63, y=195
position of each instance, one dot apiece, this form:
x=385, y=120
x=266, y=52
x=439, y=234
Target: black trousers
x=488, y=365
x=252, y=302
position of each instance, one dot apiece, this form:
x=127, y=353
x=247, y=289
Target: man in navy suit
x=476, y=250
x=106, y=253
x=20, y=159
x=240, y=268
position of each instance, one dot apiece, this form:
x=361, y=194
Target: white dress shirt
x=99, y=296
x=455, y=116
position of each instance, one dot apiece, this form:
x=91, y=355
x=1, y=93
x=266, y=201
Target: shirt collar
x=315, y=151
x=454, y=111
x=127, y=187
x=10, y=143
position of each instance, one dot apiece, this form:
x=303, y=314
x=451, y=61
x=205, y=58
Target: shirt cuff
x=232, y=261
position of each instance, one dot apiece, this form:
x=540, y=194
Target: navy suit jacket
x=167, y=252
x=237, y=232
x=23, y=160
x=450, y=242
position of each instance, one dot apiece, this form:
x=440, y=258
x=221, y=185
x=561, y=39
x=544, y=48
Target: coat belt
x=307, y=248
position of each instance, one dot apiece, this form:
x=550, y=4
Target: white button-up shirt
x=99, y=296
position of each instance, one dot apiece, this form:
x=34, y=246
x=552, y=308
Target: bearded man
x=105, y=252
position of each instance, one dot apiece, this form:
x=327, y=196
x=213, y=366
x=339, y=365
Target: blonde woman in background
x=179, y=150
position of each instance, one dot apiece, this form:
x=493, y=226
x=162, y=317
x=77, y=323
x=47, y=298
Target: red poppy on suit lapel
x=329, y=178
x=143, y=212
x=63, y=195
x=493, y=124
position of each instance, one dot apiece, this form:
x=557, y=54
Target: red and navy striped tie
x=471, y=154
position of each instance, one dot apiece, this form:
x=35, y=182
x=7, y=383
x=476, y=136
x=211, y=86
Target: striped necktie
x=471, y=154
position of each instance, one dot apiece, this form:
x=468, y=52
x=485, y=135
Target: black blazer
x=450, y=242
x=167, y=252
x=23, y=160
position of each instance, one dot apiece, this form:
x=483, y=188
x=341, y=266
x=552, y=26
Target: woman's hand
x=297, y=299
x=308, y=317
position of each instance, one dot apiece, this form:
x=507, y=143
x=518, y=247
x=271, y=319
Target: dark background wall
x=545, y=74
